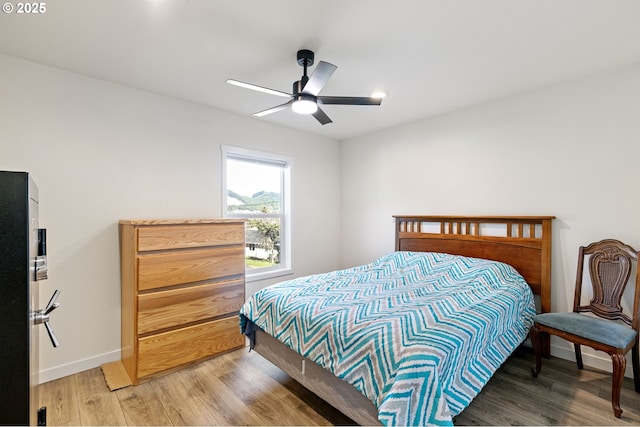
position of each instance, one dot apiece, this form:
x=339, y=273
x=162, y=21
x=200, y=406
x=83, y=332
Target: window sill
x=254, y=277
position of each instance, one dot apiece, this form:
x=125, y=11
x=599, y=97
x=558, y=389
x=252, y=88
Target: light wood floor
x=242, y=388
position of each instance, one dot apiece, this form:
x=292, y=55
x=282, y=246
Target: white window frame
x=286, y=162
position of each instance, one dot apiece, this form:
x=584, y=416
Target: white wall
x=101, y=152
x=571, y=151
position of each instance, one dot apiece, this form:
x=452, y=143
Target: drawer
x=157, y=353
x=189, y=236
x=156, y=270
x=174, y=307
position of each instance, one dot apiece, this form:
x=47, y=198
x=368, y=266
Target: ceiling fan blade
x=349, y=100
x=272, y=109
x=319, y=78
x=259, y=88
x=322, y=117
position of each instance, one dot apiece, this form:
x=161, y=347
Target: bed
x=458, y=301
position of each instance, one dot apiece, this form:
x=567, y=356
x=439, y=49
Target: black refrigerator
x=23, y=263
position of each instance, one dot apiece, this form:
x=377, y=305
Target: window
x=257, y=186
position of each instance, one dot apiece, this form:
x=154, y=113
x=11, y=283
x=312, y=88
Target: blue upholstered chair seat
x=614, y=334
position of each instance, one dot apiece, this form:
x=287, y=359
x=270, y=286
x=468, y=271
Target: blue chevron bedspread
x=418, y=333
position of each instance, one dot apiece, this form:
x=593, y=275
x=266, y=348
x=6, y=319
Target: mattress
x=418, y=333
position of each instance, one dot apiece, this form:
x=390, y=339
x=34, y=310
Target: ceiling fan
x=305, y=98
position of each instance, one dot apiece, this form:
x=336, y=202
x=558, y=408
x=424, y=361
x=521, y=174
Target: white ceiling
x=430, y=56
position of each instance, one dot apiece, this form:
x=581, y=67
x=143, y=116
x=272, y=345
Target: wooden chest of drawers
x=182, y=287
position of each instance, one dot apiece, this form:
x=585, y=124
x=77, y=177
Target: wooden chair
x=610, y=330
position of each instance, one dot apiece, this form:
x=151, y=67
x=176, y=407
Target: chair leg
x=636, y=367
x=619, y=365
x=535, y=334
x=578, y=351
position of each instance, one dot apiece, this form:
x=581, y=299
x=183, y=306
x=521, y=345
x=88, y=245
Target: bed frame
x=521, y=241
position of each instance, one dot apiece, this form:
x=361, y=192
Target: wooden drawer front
x=164, y=351
x=174, y=268
x=174, y=307
x=189, y=236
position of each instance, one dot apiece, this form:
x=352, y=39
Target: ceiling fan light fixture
x=305, y=96
x=304, y=104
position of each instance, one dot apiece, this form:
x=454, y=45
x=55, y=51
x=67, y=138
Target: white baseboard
x=67, y=369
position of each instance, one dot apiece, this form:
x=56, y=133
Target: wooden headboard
x=521, y=241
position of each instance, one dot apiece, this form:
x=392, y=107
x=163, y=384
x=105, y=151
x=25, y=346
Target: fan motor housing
x=305, y=57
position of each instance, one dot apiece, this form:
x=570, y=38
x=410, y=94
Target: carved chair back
x=610, y=265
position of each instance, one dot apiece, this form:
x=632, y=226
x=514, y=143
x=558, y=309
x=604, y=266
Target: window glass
x=253, y=187
x=256, y=188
